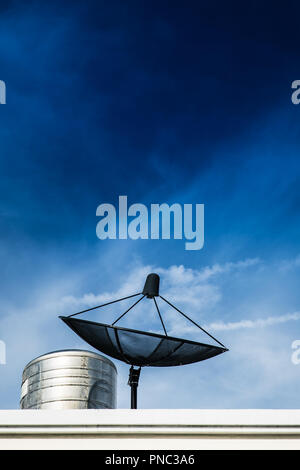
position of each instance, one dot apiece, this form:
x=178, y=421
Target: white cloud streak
x=259, y=323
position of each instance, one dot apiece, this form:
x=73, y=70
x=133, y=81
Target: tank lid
x=70, y=352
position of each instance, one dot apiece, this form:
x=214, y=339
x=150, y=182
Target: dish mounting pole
x=133, y=381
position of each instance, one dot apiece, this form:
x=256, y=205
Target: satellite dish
x=140, y=348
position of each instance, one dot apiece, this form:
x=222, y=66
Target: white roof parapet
x=146, y=429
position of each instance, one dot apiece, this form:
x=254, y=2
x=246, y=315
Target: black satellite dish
x=141, y=348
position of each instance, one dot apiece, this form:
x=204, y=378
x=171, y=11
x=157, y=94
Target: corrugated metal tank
x=69, y=379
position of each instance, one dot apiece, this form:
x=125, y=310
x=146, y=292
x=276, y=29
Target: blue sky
x=162, y=103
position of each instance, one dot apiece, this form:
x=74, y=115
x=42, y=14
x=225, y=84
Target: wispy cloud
x=289, y=264
x=194, y=288
x=181, y=275
x=259, y=323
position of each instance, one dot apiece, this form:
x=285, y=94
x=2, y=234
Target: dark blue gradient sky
x=186, y=102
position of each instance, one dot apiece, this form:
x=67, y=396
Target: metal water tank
x=69, y=379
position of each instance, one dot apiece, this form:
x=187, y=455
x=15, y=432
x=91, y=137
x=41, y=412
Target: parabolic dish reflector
x=140, y=348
